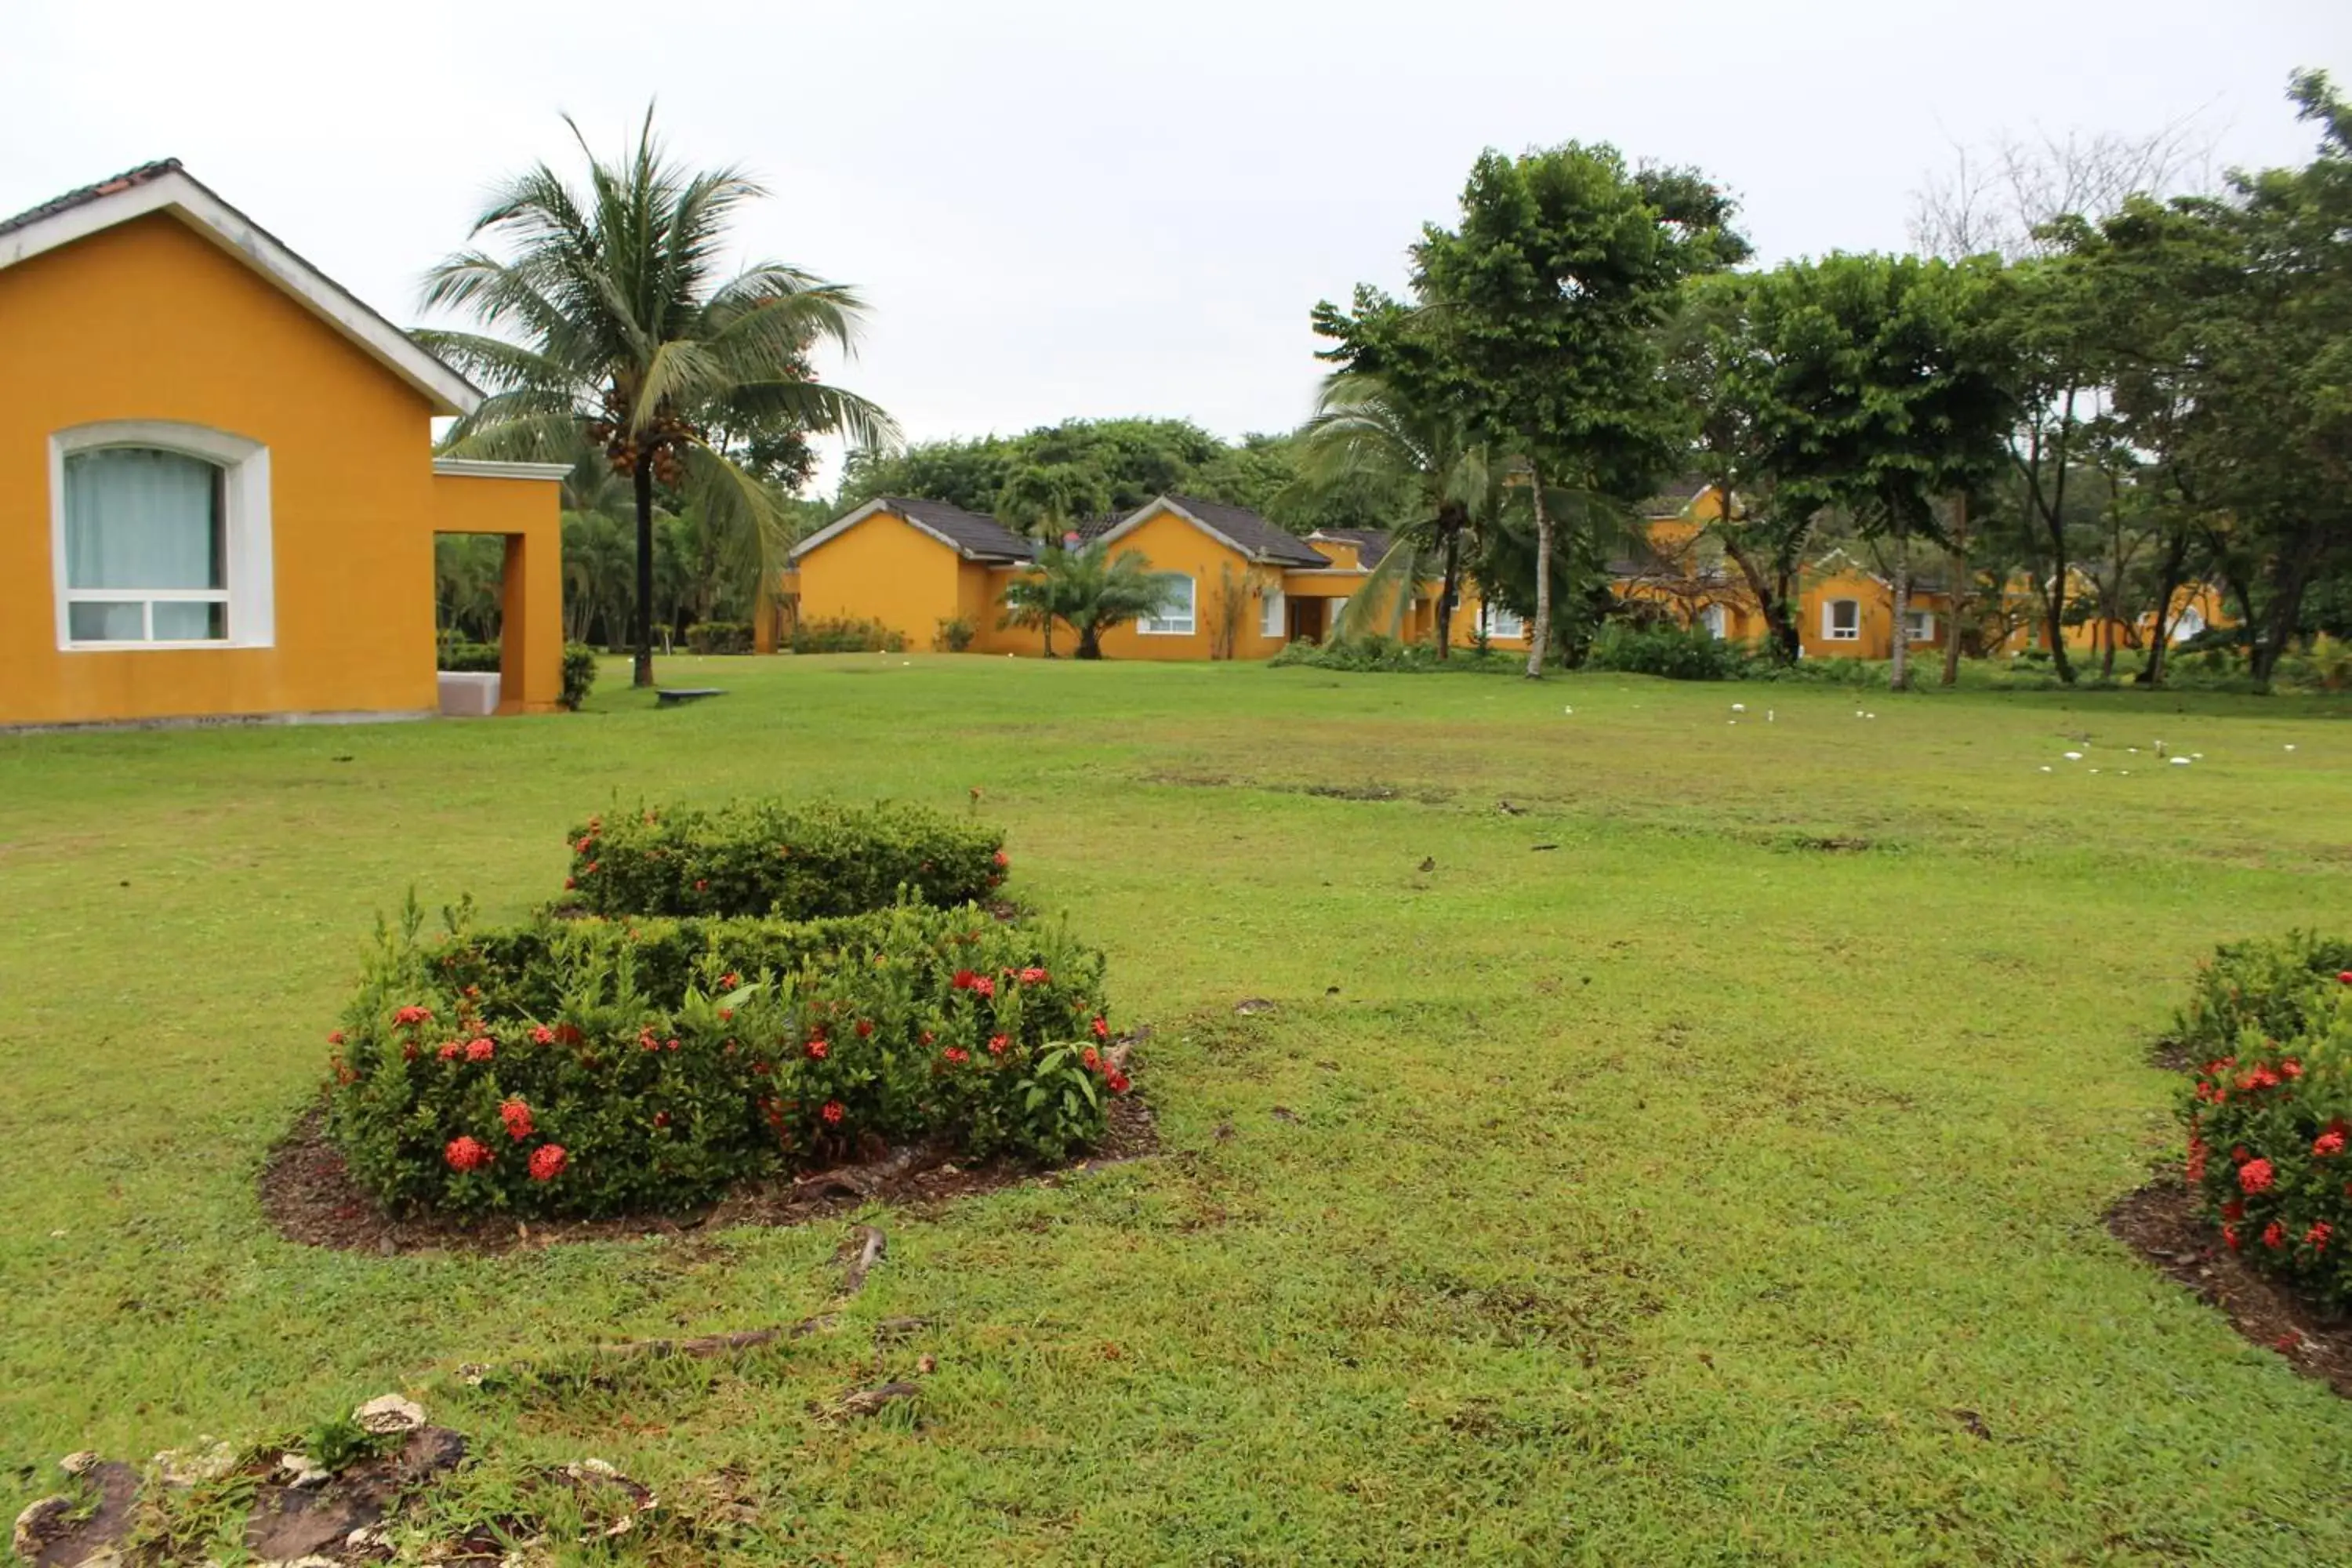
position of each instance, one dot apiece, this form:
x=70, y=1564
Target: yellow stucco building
x=217, y=491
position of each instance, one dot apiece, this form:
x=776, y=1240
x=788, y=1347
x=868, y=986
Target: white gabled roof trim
x=839, y=526
x=187, y=199
x=1161, y=503
x=486, y=468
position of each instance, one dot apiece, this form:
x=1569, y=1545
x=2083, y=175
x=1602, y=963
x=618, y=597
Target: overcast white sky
x=1105, y=208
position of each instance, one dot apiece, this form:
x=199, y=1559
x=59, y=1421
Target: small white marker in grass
x=2180, y=761
x=2048, y=769
x=2290, y=745
x=2073, y=756
x=1739, y=708
x=1567, y=710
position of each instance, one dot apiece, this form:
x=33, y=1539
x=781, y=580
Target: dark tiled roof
x=1370, y=542
x=1252, y=533
x=107, y=187
x=977, y=535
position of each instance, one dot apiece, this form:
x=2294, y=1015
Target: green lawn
x=1660, y=1197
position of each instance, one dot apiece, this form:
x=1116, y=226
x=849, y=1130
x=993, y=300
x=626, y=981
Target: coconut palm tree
x=1087, y=590
x=609, y=317
x=1361, y=428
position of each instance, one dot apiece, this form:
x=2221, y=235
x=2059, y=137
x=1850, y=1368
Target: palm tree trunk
x=643, y=475
x=1539, y=635
x=1898, y=674
x=1449, y=593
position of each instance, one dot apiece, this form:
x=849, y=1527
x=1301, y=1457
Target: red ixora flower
x=1090, y=1057
x=1101, y=1027
x=702, y=884
x=832, y=1111
x=465, y=1153
x=1117, y=1081
x=661, y=1117
x=480, y=1048
x=998, y=1044
x=516, y=1117
x=964, y=980
x=2235, y=1209
x=448, y=1052
x=865, y=1029
x=570, y=883
x=1033, y=975
x=958, y=1056
x=730, y=980
x=817, y=1049
x=547, y=1161
x=2274, y=1235
x=2255, y=1175
x=982, y=985
x=334, y=1037
x=2292, y=1067
x=2230, y=1237
x=409, y=1018
x=2345, y=978
x=2318, y=1234
x=1002, y=862
x=2328, y=1144
x=540, y=1035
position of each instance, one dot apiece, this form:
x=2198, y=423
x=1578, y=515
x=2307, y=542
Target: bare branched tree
x=1998, y=195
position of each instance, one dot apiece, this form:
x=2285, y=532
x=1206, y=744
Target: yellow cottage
x=217, y=483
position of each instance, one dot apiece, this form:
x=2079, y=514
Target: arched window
x=162, y=537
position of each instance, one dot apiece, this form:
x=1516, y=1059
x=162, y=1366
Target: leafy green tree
x=1886, y=394
x=609, y=316
x=1538, y=318
x=1086, y=590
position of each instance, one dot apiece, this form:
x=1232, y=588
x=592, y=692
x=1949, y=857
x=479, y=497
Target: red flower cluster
x=547, y=1161
x=998, y=1045
x=1101, y=1027
x=516, y=1117
x=2318, y=1234
x=1002, y=862
x=817, y=1049
x=832, y=1111
x=480, y=1048
x=540, y=1035
x=2328, y=1144
x=865, y=1029
x=2273, y=1236
x=957, y=1056
x=334, y=1037
x=409, y=1018
x=448, y=1052
x=1033, y=975
x=2256, y=1175
x=465, y=1153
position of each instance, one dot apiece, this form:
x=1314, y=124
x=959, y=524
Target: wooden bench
x=671, y=696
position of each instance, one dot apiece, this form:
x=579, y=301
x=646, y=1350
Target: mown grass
x=1681, y=1192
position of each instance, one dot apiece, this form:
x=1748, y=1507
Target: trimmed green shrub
x=579, y=674
x=955, y=635
x=719, y=636
x=1387, y=655
x=471, y=658
x=2273, y=987
x=844, y=634
x=1676, y=653
x=770, y=857
x=593, y=1067
x=2270, y=1120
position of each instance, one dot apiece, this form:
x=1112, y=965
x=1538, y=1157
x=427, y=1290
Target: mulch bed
x=310, y=1198
x=2160, y=1223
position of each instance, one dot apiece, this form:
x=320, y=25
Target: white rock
x=1870, y=715
x=80, y=1462
x=2073, y=756
x=2290, y=745
x=1739, y=708
x=183, y=1468
x=2180, y=761
x=389, y=1413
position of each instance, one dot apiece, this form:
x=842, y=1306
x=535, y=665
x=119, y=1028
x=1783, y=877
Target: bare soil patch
x=2159, y=1222
x=310, y=1198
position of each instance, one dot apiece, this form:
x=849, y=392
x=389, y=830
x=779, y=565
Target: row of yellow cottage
x=1242, y=588
x=219, y=464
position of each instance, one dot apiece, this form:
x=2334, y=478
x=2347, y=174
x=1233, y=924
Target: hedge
x=2270, y=1113
x=846, y=635
x=488, y=658
x=770, y=857
x=591, y=1067
x=719, y=636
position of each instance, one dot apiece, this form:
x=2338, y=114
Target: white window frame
x=1716, y=622
x=1499, y=625
x=248, y=589
x=1171, y=625
x=1829, y=632
x=1270, y=609
x=1926, y=632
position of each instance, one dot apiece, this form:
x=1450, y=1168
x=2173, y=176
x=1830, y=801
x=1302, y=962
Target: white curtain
x=136, y=518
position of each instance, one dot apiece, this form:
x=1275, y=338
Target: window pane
x=1270, y=614
x=136, y=518
x=94, y=622
x=186, y=620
